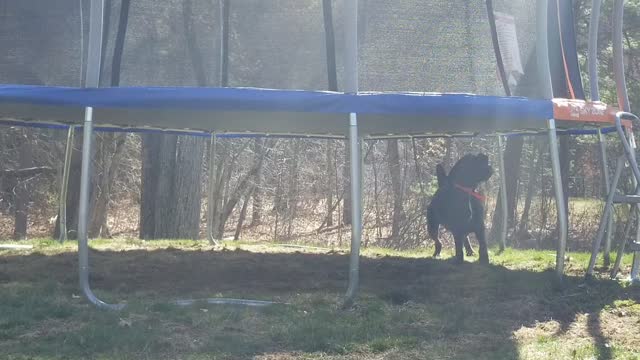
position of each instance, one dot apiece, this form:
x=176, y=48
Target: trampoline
x=530, y=83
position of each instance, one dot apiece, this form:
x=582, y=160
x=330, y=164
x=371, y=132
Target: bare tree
x=395, y=171
x=534, y=170
x=25, y=155
x=256, y=215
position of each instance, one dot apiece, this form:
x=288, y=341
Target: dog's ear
x=442, y=175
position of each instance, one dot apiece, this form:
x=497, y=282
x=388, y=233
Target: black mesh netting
x=414, y=45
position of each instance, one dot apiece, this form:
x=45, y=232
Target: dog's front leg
x=433, y=228
x=482, y=244
x=438, y=249
x=459, y=242
x=467, y=246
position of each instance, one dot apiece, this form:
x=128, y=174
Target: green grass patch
x=411, y=306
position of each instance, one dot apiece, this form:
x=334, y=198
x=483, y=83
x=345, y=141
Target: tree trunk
x=329, y=185
x=346, y=180
x=111, y=148
x=512, y=157
x=376, y=194
x=256, y=216
x=535, y=169
x=292, y=194
x=332, y=85
x=149, y=185
x=243, y=215
x=73, y=196
x=165, y=220
x=171, y=184
x=393, y=160
x=330, y=46
x=187, y=195
x=448, y=153
x=22, y=189
x=240, y=191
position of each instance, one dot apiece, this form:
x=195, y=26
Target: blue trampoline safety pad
x=273, y=111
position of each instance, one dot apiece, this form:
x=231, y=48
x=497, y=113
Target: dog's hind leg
x=433, y=228
x=438, y=244
x=459, y=241
x=467, y=247
x=482, y=242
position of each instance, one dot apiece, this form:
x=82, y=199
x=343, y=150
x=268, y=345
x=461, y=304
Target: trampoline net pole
x=503, y=196
x=618, y=55
x=594, y=23
x=546, y=91
x=593, y=50
x=351, y=86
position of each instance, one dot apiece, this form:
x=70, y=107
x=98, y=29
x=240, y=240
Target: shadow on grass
x=602, y=343
x=422, y=306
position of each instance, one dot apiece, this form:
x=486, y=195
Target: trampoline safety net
x=412, y=45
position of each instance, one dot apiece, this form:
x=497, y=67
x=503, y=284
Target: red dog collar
x=471, y=192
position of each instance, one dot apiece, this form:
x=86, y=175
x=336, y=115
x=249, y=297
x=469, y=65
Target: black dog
x=457, y=205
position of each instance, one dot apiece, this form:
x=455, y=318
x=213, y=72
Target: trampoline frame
x=355, y=143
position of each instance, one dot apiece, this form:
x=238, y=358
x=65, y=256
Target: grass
x=411, y=306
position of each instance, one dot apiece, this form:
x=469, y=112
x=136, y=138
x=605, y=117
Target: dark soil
x=174, y=272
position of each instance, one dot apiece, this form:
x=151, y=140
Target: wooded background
x=296, y=190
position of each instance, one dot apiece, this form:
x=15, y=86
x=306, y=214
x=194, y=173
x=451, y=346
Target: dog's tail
x=442, y=175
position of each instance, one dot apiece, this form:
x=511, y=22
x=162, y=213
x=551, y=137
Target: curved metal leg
x=623, y=242
x=91, y=80
x=64, y=185
x=83, y=216
x=559, y=195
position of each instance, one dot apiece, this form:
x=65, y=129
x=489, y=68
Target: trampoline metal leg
x=623, y=241
x=64, y=185
x=503, y=196
x=635, y=266
x=607, y=217
x=356, y=212
x=605, y=173
x=83, y=216
x=211, y=192
x=559, y=195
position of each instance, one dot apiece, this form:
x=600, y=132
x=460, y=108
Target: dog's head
x=471, y=170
